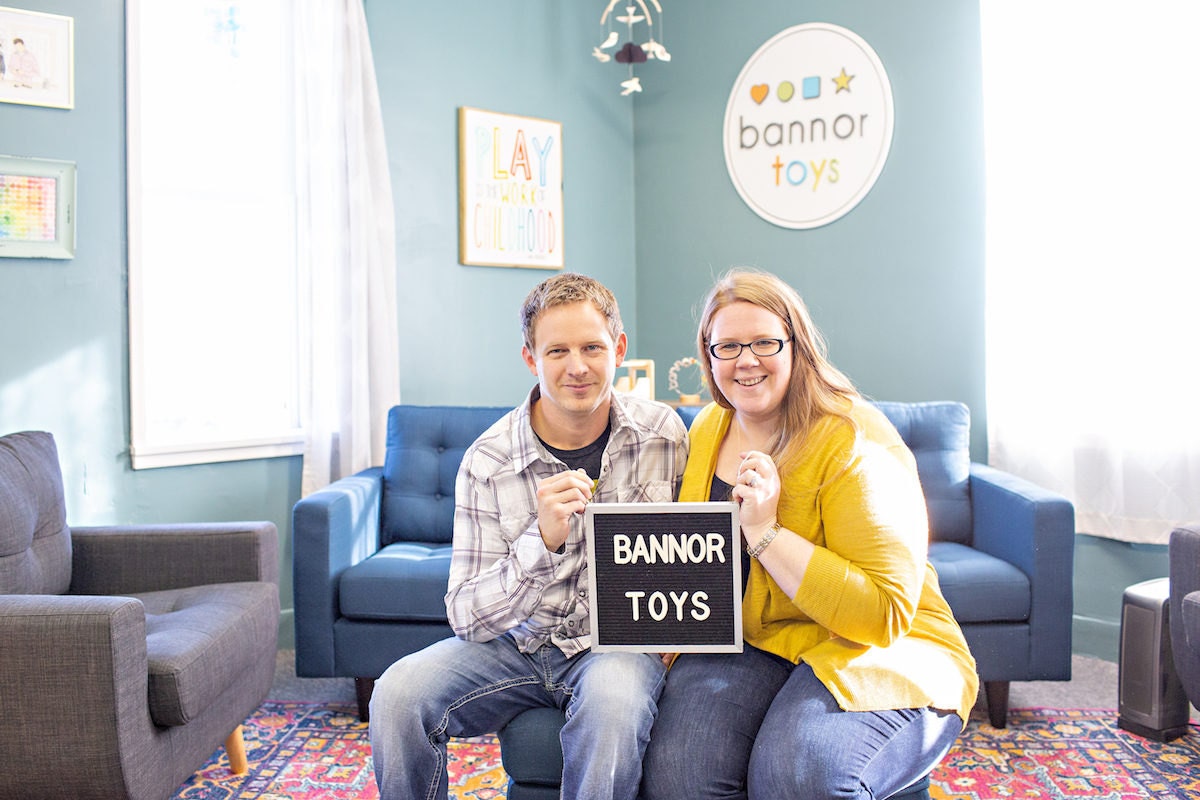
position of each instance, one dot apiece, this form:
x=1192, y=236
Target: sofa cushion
x=530, y=751
x=980, y=587
x=939, y=435
x=425, y=445
x=201, y=640
x=35, y=542
x=403, y=581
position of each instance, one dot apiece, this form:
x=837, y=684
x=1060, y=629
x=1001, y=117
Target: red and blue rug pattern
x=1052, y=753
x=305, y=751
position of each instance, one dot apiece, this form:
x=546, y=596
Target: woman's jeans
x=754, y=725
x=460, y=688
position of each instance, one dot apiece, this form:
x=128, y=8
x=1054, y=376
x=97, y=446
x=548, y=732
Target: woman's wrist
x=765, y=535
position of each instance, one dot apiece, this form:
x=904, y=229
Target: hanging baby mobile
x=630, y=53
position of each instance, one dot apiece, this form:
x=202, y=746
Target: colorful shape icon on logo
x=811, y=88
x=759, y=92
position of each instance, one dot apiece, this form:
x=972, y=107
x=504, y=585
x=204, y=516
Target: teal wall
x=897, y=284
x=459, y=325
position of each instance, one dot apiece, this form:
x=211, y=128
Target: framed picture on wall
x=37, y=208
x=510, y=198
x=37, y=58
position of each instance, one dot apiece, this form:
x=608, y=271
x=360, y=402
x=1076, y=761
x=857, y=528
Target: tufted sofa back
x=425, y=445
x=35, y=542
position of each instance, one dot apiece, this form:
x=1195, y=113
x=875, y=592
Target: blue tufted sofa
x=372, y=556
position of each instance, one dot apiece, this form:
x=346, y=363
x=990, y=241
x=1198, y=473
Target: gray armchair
x=1183, y=613
x=127, y=654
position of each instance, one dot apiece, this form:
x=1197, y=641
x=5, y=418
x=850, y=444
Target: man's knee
x=401, y=687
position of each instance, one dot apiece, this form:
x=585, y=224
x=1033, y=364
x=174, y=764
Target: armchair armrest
x=333, y=529
x=1034, y=529
x=74, y=671
x=126, y=559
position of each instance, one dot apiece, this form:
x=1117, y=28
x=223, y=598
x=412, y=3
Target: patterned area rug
x=304, y=751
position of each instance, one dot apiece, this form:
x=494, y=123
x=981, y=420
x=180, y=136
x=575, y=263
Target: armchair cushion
x=405, y=581
x=980, y=587
x=35, y=542
x=1190, y=610
x=202, y=639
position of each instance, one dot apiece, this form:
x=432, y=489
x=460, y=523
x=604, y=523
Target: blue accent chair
x=372, y=558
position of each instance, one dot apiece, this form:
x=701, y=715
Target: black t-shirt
x=587, y=458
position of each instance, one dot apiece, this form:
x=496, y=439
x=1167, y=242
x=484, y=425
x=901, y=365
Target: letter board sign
x=665, y=577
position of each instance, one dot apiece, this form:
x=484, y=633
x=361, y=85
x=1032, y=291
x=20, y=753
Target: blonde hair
x=565, y=288
x=815, y=387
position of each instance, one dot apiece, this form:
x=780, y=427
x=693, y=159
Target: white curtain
x=1093, y=200
x=347, y=244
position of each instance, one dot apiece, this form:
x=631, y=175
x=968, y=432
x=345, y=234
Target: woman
x=854, y=679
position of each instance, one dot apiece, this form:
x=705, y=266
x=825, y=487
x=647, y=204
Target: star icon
x=843, y=81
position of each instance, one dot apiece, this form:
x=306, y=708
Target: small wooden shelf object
x=640, y=377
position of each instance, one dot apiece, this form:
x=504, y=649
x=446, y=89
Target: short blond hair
x=565, y=288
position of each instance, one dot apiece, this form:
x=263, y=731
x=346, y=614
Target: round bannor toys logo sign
x=808, y=125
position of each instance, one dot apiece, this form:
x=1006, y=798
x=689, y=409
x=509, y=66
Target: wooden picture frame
x=510, y=190
x=37, y=208
x=37, y=54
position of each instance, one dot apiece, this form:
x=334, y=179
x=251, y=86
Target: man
x=517, y=597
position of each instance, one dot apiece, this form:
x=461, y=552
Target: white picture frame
x=37, y=208
x=38, y=55
x=510, y=190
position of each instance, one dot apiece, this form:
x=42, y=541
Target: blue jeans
x=753, y=725
x=460, y=688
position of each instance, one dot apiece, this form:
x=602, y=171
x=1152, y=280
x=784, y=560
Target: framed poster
x=37, y=58
x=37, y=208
x=665, y=577
x=510, y=200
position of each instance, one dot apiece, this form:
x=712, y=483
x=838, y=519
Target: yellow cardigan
x=869, y=617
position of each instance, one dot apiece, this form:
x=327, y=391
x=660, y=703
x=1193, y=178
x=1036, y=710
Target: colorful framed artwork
x=37, y=208
x=37, y=58
x=510, y=193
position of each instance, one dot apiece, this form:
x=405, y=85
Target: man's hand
x=559, y=498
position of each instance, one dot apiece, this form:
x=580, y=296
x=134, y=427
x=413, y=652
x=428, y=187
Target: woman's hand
x=757, y=490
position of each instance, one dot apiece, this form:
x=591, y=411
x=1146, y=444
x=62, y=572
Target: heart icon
x=759, y=92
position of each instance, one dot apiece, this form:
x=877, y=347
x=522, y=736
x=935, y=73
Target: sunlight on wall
x=65, y=397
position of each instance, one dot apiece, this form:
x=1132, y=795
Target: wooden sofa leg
x=997, y=702
x=235, y=748
x=363, y=687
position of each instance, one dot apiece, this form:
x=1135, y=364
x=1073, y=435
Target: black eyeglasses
x=727, y=351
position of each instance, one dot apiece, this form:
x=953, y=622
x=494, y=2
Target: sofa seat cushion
x=530, y=751
x=980, y=587
x=405, y=581
x=201, y=640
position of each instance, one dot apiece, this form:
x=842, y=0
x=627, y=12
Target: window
x=1091, y=258
x=214, y=324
